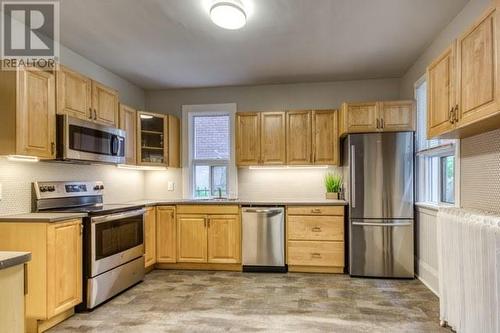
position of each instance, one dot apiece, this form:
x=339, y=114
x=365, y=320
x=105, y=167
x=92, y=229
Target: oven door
x=87, y=141
x=116, y=239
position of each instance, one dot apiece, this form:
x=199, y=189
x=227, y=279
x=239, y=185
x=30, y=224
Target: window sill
x=433, y=206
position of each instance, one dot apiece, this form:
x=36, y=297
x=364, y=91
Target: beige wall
x=269, y=184
x=275, y=97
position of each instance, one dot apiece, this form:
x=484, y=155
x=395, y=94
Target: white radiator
x=469, y=270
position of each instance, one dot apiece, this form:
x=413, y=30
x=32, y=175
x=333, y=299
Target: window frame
x=425, y=192
x=189, y=112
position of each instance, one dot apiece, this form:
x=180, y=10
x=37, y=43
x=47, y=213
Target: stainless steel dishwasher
x=263, y=239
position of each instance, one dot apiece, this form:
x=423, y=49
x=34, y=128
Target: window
x=210, y=148
x=436, y=158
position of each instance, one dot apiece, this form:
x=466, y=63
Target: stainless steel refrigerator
x=379, y=181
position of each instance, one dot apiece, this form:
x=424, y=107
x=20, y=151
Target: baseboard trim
x=39, y=326
x=316, y=269
x=201, y=267
x=425, y=269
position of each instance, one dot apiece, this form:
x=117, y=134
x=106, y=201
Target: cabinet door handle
x=208, y=223
x=316, y=255
x=90, y=113
x=52, y=148
x=81, y=229
x=381, y=123
x=316, y=229
x=456, y=114
x=95, y=114
x=378, y=123
x=316, y=210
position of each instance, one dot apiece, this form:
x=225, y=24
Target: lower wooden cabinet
x=150, y=237
x=315, y=239
x=209, y=236
x=166, y=235
x=54, y=275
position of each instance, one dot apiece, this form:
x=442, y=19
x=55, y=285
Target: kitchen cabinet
x=371, y=117
x=54, y=274
x=79, y=96
x=325, y=137
x=158, y=139
x=208, y=234
x=315, y=239
x=224, y=239
x=150, y=237
x=128, y=123
x=166, y=234
x=27, y=100
x=105, y=104
x=469, y=104
x=441, y=93
x=247, y=138
x=192, y=238
x=12, y=298
x=74, y=94
x=174, y=141
x=272, y=138
x=299, y=134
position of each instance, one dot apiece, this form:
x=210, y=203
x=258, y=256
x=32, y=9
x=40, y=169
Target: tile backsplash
x=16, y=180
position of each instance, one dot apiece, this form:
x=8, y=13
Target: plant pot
x=332, y=195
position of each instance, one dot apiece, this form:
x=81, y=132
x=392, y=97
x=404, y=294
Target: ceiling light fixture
x=228, y=14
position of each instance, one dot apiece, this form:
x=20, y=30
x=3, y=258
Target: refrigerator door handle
x=397, y=224
x=353, y=176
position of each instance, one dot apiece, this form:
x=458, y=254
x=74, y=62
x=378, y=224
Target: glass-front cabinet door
x=152, y=137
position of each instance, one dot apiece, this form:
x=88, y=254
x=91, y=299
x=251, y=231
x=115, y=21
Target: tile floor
x=192, y=301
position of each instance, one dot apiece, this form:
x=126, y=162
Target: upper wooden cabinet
x=248, y=138
x=158, y=139
x=292, y=137
x=359, y=118
x=166, y=235
x=387, y=116
x=325, y=137
x=469, y=103
x=396, y=116
x=81, y=97
x=441, y=93
x=299, y=143
x=128, y=123
x=272, y=138
x=27, y=100
x=74, y=94
x=105, y=104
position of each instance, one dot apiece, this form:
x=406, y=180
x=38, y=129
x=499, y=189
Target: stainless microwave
x=81, y=140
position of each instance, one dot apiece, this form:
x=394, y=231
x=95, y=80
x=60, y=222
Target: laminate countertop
x=9, y=259
x=160, y=202
x=42, y=217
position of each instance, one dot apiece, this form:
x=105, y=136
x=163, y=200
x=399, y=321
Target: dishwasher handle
x=268, y=211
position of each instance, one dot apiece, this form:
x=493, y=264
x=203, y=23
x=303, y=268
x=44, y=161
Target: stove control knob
x=101, y=187
x=43, y=189
x=51, y=189
x=96, y=188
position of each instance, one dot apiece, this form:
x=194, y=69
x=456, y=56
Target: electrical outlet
x=171, y=186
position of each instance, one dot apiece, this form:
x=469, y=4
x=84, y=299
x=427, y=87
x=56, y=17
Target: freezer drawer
x=381, y=248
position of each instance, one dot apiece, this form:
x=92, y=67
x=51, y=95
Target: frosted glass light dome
x=228, y=15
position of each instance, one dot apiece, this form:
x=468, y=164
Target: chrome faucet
x=220, y=193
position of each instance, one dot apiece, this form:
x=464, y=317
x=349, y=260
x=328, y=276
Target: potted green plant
x=333, y=184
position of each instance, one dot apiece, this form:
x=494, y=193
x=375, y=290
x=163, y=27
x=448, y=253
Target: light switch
x=171, y=185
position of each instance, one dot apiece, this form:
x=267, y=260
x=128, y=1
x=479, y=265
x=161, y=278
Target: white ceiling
x=161, y=44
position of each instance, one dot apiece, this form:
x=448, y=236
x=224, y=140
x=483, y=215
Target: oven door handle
x=118, y=216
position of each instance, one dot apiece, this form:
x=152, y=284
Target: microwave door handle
x=115, y=145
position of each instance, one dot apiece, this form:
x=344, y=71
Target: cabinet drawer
x=316, y=228
x=208, y=209
x=314, y=253
x=316, y=210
